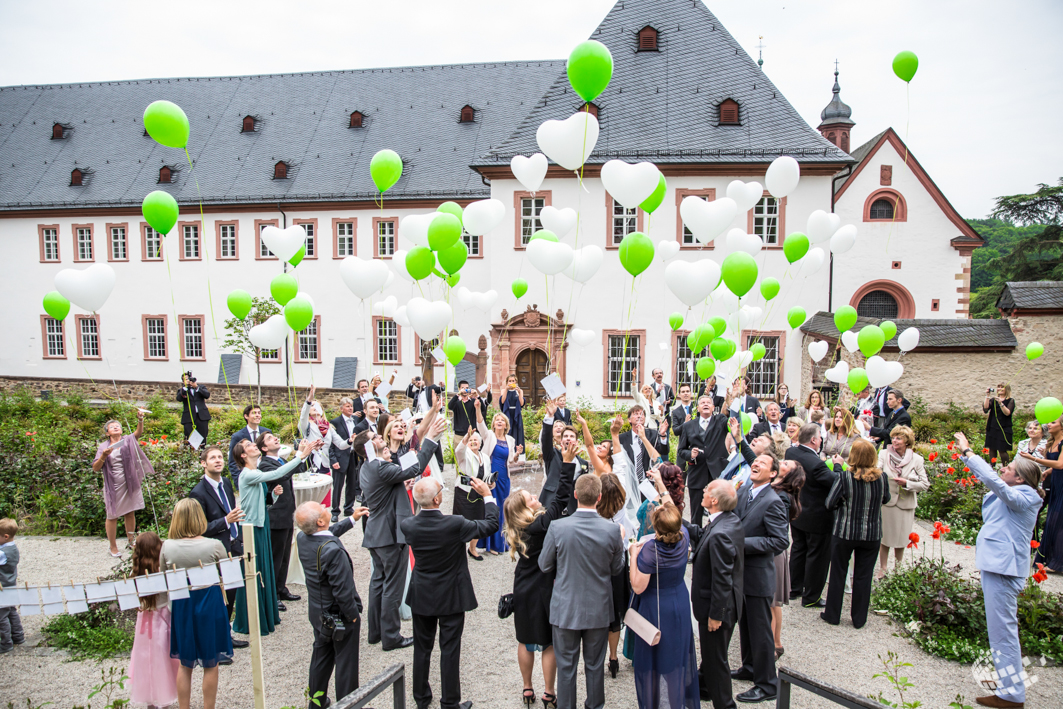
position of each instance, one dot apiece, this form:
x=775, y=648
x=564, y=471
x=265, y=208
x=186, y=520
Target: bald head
x=720, y=497
x=311, y=517
x=426, y=493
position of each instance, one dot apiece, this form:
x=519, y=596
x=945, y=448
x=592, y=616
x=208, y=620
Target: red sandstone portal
x=530, y=345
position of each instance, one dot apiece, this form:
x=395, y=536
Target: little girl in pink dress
x=152, y=672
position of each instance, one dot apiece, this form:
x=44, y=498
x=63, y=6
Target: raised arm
x=304, y=420
x=430, y=417
x=747, y=453
x=264, y=476
x=203, y=392
x=480, y=529
x=140, y=424
x=1008, y=494
x=592, y=453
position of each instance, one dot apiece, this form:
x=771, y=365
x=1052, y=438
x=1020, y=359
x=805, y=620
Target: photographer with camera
x=193, y=397
x=461, y=409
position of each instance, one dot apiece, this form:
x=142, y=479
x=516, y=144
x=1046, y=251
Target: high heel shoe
x=529, y=696
x=474, y=556
x=549, y=701
x=614, y=667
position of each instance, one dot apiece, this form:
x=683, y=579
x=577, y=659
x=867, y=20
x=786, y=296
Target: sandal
x=529, y=696
x=549, y=701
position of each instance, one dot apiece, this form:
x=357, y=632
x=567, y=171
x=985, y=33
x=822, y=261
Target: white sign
x=196, y=439
x=407, y=460
x=552, y=386
x=231, y=573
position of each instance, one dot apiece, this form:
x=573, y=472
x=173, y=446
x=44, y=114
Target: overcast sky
x=985, y=106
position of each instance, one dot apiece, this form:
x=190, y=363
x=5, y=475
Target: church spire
x=836, y=122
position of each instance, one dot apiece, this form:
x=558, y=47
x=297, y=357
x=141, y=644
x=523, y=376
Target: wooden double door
x=532, y=366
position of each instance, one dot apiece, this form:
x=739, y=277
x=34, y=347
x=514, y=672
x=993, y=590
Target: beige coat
x=904, y=497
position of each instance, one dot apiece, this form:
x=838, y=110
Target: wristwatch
x=966, y=453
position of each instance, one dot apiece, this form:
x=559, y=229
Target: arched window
x=881, y=209
x=878, y=304
x=647, y=39
x=248, y=125
x=280, y=171
x=165, y=175
x=356, y=120
x=590, y=108
x=729, y=113
x=57, y=131
x=468, y=114
x=76, y=178
x=885, y=205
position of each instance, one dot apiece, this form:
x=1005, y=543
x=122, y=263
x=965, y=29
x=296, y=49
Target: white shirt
x=322, y=533
x=756, y=490
x=3, y=554
x=775, y=427
x=372, y=425
x=349, y=420
x=704, y=422
x=713, y=516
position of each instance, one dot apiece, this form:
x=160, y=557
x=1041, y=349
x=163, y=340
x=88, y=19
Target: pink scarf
x=322, y=425
x=896, y=463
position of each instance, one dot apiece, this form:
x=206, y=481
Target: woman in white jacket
x=472, y=461
x=314, y=426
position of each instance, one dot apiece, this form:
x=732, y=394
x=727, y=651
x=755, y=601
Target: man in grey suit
x=330, y=588
x=586, y=551
x=384, y=491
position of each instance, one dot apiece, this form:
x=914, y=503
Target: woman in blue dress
x=1050, y=552
x=512, y=402
x=666, y=674
x=503, y=451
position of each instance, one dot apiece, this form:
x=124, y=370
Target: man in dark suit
x=253, y=417
x=441, y=590
x=716, y=581
x=684, y=411
x=347, y=462
x=764, y=524
x=330, y=588
x=194, y=413
x=898, y=416
x=702, y=448
x=743, y=401
x=662, y=391
x=281, y=509
x=771, y=423
x=383, y=486
x=810, y=554
x=636, y=452
x=215, y=495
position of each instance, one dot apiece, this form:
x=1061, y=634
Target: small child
x=817, y=417
x=152, y=672
x=10, y=623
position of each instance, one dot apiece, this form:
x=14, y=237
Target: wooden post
x=251, y=589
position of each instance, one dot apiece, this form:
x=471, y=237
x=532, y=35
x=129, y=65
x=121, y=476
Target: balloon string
x=907, y=125
x=173, y=301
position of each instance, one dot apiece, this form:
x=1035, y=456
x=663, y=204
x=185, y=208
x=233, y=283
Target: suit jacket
x=242, y=435
x=669, y=395
x=717, y=575
x=564, y=415
x=551, y=464
x=348, y=457
x=752, y=403
x=679, y=416
x=630, y=442
x=762, y=427
x=217, y=528
x=712, y=449
x=585, y=551
x=196, y=399
x=384, y=491
x=815, y=518
x=897, y=417
x=767, y=533
x=1008, y=518
x=441, y=584
x=281, y=509
x=329, y=586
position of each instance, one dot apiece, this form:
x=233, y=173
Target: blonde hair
x=8, y=526
x=1007, y=388
x=518, y=516
x=504, y=419
x=188, y=520
x=862, y=459
x=847, y=422
x=779, y=445
x=904, y=432
x=387, y=431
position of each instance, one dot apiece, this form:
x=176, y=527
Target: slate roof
x=1031, y=295
x=933, y=334
x=662, y=106
x=860, y=153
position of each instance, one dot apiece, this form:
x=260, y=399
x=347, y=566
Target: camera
x=333, y=626
x=191, y=379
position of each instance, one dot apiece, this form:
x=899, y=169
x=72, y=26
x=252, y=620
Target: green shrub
x=99, y=634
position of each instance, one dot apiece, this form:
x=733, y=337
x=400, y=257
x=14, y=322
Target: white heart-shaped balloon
x=529, y=172
x=811, y=262
x=464, y=296
x=817, y=350
x=667, y=249
x=585, y=263
x=739, y=240
x=744, y=358
x=843, y=239
x=839, y=373
x=628, y=184
x=364, y=277
x=749, y=316
x=306, y=296
x=724, y=298
x=745, y=194
x=485, y=301
x=284, y=243
x=400, y=316
x=414, y=228
x=821, y=226
x=707, y=220
x=269, y=335
x=389, y=281
x=386, y=307
x=908, y=340
x=881, y=372
x=398, y=262
x=549, y=257
x=428, y=318
x=782, y=177
x=569, y=142
x=692, y=281
x=483, y=215
x=88, y=289
x=559, y=221
x=581, y=337
x=849, y=340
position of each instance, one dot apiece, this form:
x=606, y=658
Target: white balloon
x=881, y=372
x=364, y=277
x=707, y=220
x=284, y=243
x=843, y=239
x=581, y=337
x=559, y=221
x=839, y=373
x=390, y=280
x=744, y=358
x=748, y=316
x=745, y=194
x=811, y=262
x=569, y=142
x=269, y=335
x=739, y=240
x=667, y=249
x=821, y=226
x=472, y=300
x=88, y=289
x=386, y=307
x=305, y=296
x=398, y=262
x=400, y=316
x=414, y=228
x=428, y=318
x=782, y=177
x=628, y=184
x=549, y=257
x=585, y=263
x=692, y=281
x=849, y=340
x=817, y=350
x=483, y=215
x=529, y=172
x=723, y=297
x=908, y=340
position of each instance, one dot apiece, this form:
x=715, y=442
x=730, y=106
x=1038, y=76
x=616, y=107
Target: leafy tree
x=1000, y=237
x=237, y=334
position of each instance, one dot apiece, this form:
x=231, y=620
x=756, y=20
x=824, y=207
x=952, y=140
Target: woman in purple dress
x=124, y=467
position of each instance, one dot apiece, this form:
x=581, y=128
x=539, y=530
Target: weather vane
x=760, y=51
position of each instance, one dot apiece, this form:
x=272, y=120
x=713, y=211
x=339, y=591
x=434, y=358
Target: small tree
x=237, y=339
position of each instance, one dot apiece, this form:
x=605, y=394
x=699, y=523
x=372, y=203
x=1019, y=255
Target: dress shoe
x=281, y=606
x=225, y=661
x=742, y=675
x=824, y=617
x=288, y=596
x=795, y=596
x=754, y=695
x=335, y=518
x=818, y=604
x=404, y=642
x=993, y=700
x=704, y=693
x=474, y=556
x=238, y=644
x=465, y=705
x=325, y=704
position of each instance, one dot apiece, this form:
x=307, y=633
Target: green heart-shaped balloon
x=705, y=367
x=722, y=349
x=796, y=316
x=700, y=337
x=451, y=208
x=739, y=271
x=905, y=64
x=1048, y=409
x=453, y=257
x=160, y=211
x=675, y=321
x=795, y=246
x=870, y=339
x=590, y=67
x=719, y=325
x=651, y=203
x=636, y=253
x=240, y=303
x=845, y=318
x=758, y=350
x=167, y=124
x=56, y=305
x=299, y=256
x=385, y=168
x=769, y=288
x=519, y=288
x=545, y=235
x=283, y=288
x=889, y=329
x=420, y=262
x=454, y=349
x=452, y=279
x=298, y=313
x=1033, y=350
x=443, y=232
x=747, y=423
x=857, y=380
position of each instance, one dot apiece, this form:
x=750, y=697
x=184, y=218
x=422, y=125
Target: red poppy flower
x=966, y=547
x=933, y=440
x=1040, y=577
x=946, y=529
x=985, y=451
x=1040, y=566
x=143, y=443
x=951, y=444
x=966, y=469
x=164, y=438
x=1034, y=543
x=955, y=456
x=950, y=470
x=913, y=537
x=935, y=534
x=993, y=460
x=933, y=457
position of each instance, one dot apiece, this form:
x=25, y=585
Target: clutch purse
x=505, y=606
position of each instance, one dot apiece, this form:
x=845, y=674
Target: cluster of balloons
x=876, y=372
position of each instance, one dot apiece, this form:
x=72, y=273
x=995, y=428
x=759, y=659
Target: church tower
x=836, y=124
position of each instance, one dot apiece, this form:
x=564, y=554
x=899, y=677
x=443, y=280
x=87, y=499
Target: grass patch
x=99, y=634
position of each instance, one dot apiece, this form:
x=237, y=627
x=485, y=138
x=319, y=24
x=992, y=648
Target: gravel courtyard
x=490, y=678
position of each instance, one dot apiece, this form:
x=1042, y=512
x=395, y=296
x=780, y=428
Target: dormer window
x=590, y=108
x=647, y=39
x=729, y=113
x=165, y=175
x=356, y=120
x=249, y=125
x=280, y=171
x=57, y=131
x=76, y=178
x=468, y=115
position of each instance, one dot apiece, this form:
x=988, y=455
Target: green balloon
x=451, y=208
x=845, y=318
x=675, y=321
x=452, y=279
x=420, y=262
x=747, y=422
x=298, y=313
x=167, y=124
x=1048, y=409
x=453, y=257
x=545, y=235
x=56, y=305
x=722, y=349
x=519, y=288
x=858, y=380
x=889, y=329
x=160, y=211
x=705, y=367
x=299, y=255
x=444, y=232
x=385, y=168
x=758, y=350
x=796, y=316
x=870, y=338
x=590, y=67
x=905, y=64
x=795, y=246
x=636, y=253
x=239, y=302
x=654, y=200
x=739, y=272
x=719, y=325
x=769, y=288
x=454, y=349
x=1033, y=350
x=283, y=288
x=700, y=337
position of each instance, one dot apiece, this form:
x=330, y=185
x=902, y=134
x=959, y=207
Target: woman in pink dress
x=124, y=467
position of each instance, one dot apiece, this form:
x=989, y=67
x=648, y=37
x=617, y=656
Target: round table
x=307, y=488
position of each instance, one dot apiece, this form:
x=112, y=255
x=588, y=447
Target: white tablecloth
x=312, y=490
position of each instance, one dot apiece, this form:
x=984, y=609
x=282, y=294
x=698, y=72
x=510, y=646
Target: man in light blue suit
x=1002, y=555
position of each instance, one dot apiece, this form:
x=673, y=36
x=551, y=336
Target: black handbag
x=505, y=605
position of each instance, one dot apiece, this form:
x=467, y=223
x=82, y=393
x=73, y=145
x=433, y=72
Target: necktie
x=639, y=472
x=750, y=500
x=687, y=410
x=234, y=531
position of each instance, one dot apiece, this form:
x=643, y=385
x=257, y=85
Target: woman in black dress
x=527, y=522
x=998, y=432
